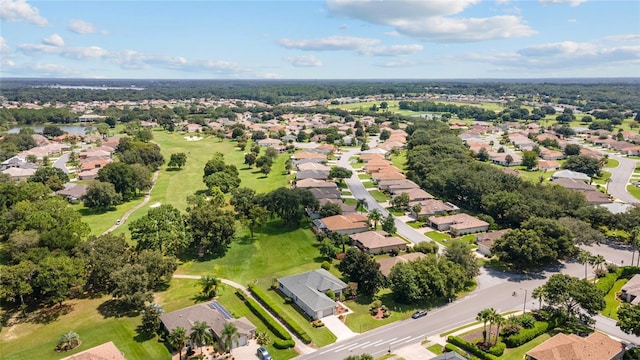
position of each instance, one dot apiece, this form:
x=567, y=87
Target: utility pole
x=524, y=305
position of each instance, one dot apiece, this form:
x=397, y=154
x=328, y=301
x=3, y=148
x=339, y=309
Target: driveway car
x=263, y=354
x=419, y=314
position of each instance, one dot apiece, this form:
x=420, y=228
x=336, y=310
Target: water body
x=71, y=129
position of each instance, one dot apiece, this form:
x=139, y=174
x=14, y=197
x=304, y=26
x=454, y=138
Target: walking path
x=144, y=202
x=301, y=347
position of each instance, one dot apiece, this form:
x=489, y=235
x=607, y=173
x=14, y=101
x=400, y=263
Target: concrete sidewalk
x=338, y=328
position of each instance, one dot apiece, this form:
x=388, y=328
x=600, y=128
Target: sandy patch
x=193, y=138
x=155, y=205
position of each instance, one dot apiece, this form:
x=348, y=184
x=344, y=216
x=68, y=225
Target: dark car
x=419, y=314
x=263, y=354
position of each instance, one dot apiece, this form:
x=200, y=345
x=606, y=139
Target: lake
x=71, y=129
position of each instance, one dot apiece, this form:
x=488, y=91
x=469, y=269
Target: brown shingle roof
x=106, y=351
x=345, y=222
x=376, y=239
x=572, y=347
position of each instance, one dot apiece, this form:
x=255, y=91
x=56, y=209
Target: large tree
x=57, y=277
x=629, y=319
x=570, y=295
x=122, y=176
x=529, y=159
x=583, y=164
x=53, y=177
x=459, y=253
x=212, y=228
x=101, y=196
x=131, y=286
x=162, y=228
x=16, y=281
x=403, y=282
x=177, y=160
x=362, y=269
x=102, y=256
x=289, y=204
x=339, y=173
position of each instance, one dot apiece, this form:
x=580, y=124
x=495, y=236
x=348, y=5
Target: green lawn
x=364, y=176
x=415, y=224
x=378, y=195
x=368, y=184
x=634, y=191
x=519, y=352
x=99, y=222
x=349, y=201
x=611, y=310
x=438, y=236
x=436, y=349
x=357, y=165
x=275, y=251
x=399, y=160
x=612, y=163
x=531, y=176
x=320, y=336
x=361, y=321
x=602, y=179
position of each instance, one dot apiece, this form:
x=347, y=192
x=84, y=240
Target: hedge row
x=472, y=348
x=450, y=347
x=497, y=349
x=275, y=308
x=283, y=344
x=273, y=325
x=526, y=335
x=606, y=283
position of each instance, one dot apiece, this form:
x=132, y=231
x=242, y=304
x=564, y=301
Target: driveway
x=61, y=162
x=338, y=328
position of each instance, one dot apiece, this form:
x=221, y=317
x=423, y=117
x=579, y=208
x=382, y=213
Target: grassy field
x=611, y=310
x=399, y=160
x=173, y=187
x=634, y=191
x=612, y=163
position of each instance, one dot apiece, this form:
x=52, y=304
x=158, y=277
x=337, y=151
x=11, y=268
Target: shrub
x=460, y=342
x=283, y=344
x=606, y=282
x=526, y=335
x=317, y=323
x=325, y=265
x=288, y=300
x=275, y=309
x=331, y=294
x=527, y=321
x=275, y=328
x=497, y=349
x=601, y=272
x=449, y=348
x=627, y=272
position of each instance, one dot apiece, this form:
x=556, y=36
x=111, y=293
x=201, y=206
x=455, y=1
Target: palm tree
x=635, y=244
x=375, y=215
x=178, y=338
x=229, y=334
x=491, y=316
x=68, y=341
x=584, y=257
x=598, y=261
x=483, y=316
x=361, y=204
x=499, y=320
x=209, y=286
x=200, y=334
x=539, y=294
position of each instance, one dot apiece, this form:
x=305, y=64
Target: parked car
x=118, y=222
x=263, y=354
x=419, y=314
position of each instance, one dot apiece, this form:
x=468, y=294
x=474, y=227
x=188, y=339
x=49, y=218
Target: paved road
x=462, y=311
x=60, y=163
x=359, y=192
x=144, y=202
x=620, y=178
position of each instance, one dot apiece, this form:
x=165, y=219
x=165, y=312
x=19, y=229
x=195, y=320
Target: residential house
x=593, y=196
x=387, y=263
x=451, y=355
x=571, y=174
x=17, y=162
x=72, y=192
x=315, y=183
x=309, y=291
x=503, y=159
x=215, y=315
x=313, y=166
x=312, y=174
x=325, y=193
x=346, y=209
x=193, y=128
x=591, y=153
x=486, y=240
x=106, y=351
x=19, y=173
x=373, y=169
x=308, y=155
x=366, y=157
x=548, y=154
x=432, y=207
x=459, y=224
x=387, y=176
x=393, y=186
x=596, y=346
x=377, y=242
x=269, y=142
x=630, y=292
x=631, y=151
x=548, y=165
x=343, y=224
x=414, y=194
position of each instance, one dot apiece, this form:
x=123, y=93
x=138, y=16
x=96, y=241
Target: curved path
x=300, y=346
x=620, y=176
x=144, y=202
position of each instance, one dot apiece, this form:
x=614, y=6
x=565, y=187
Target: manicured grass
x=531, y=176
x=611, y=310
x=364, y=176
x=438, y=237
x=350, y=201
x=399, y=160
x=378, y=195
x=361, y=321
x=38, y=341
x=346, y=193
x=415, y=224
x=634, y=191
x=602, y=179
x=436, y=349
x=368, y=184
x=320, y=336
x=395, y=212
x=357, y=165
x=275, y=251
x=612, y=163
x=519, y=352
x=99, y=222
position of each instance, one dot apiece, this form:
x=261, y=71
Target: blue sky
x=332, y=39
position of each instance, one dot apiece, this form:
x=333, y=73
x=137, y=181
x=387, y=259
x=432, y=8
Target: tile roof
x=376, y=239
x=106, y=351
x=345, y=222
x=572, y=347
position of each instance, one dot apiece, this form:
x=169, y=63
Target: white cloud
x=82, y=27
x=329, y=43
x=432, y=20
x=556, y=2
x=393, y=50
x=39, y=69
x=79, y=53
x=392, y=33
x=4, y=47
x=53, y=40
x=622, y=38
x=563, y=55
x=19, y=10
x=304, y=61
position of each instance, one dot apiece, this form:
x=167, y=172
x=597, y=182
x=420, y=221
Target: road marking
x=397, y=341
x=373, y=343
x=413, y=339
x=386, y=341
x=355, y=347
x=337, y=348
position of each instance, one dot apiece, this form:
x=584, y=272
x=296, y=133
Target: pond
x=71, y=129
